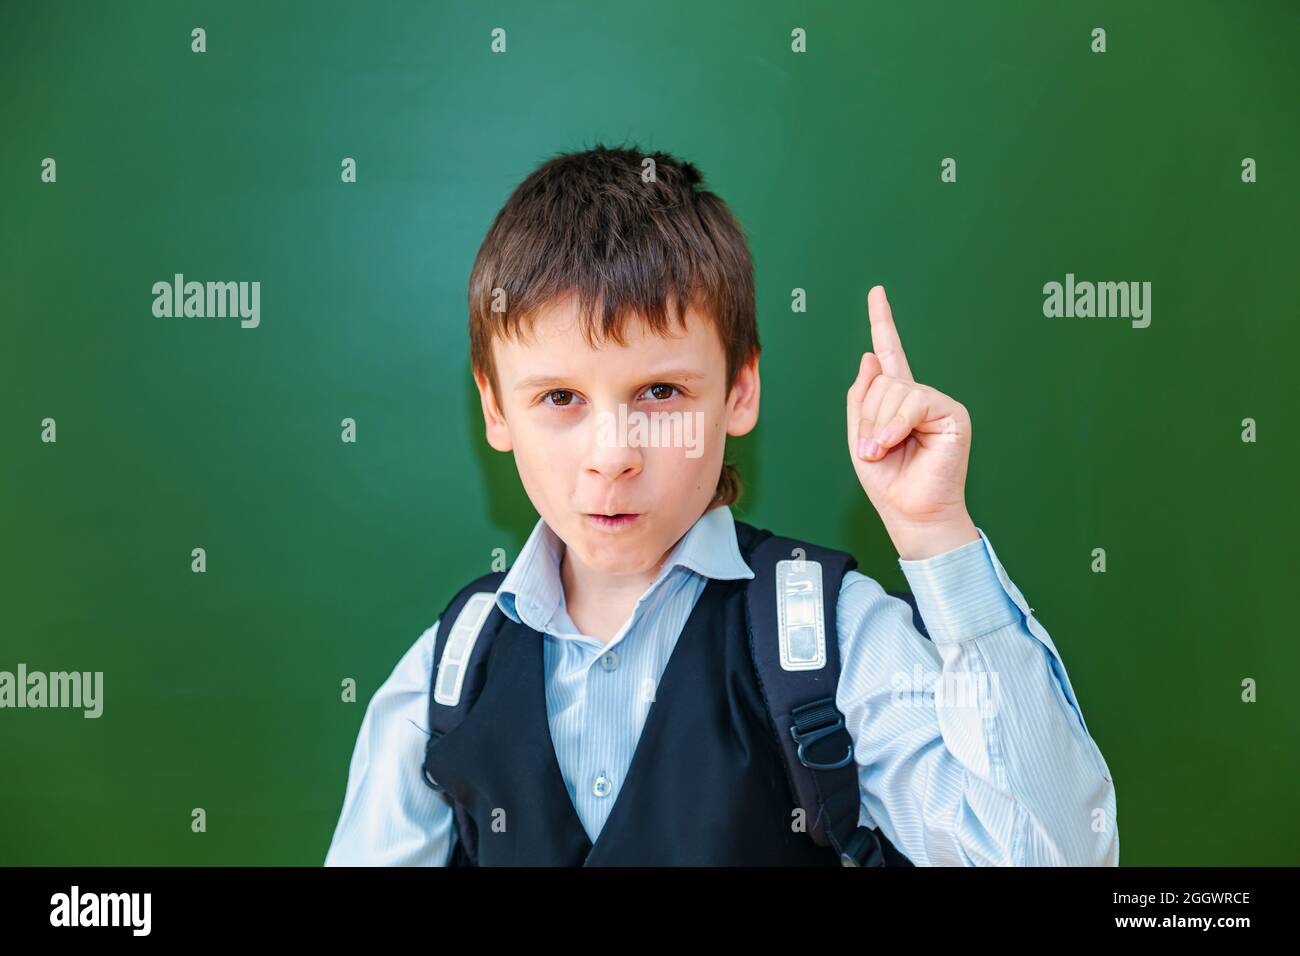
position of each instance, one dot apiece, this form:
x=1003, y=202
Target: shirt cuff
x=959, y=593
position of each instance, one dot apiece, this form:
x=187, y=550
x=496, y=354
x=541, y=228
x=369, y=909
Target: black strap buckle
x=862, y=849
x=810, y=736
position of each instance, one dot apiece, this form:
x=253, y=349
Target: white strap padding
x=460, y=645
x=801, y=622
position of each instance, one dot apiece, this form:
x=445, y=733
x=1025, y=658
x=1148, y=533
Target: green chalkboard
x=326, y=559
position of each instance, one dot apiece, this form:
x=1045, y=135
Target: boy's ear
x=498, y=435
x=742, y=403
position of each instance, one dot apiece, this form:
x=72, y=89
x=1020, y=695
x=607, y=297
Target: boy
x=605, y=701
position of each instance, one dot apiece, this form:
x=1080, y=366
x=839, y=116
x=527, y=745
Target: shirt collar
x=532, y=589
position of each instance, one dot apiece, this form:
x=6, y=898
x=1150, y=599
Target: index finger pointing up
x=884, y=336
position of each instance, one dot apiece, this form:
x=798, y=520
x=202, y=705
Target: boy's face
x=579, y=457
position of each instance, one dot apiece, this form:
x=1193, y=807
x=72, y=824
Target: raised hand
x=909, y=444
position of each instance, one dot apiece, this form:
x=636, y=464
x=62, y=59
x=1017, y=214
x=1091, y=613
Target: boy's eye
x=568, y=397
x=660, y=386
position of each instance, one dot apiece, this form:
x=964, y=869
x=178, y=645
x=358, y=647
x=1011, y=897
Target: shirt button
x=602, y=786
x=609, y=661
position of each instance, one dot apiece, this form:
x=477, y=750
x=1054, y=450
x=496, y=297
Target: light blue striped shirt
x=971, y=747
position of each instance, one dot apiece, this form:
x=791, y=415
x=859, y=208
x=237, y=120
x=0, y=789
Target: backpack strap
x=460, y=652
x=790, y=610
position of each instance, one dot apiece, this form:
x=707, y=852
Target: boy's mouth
x=612, y=522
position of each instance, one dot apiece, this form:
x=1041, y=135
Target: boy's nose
x=611, y=451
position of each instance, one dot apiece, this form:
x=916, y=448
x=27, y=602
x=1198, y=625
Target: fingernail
x=867, y=449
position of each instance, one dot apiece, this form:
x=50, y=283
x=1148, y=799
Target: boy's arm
x=1009, y=775
x=971, y=750
x=390, y=815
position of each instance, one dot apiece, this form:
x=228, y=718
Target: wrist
x=916, y=541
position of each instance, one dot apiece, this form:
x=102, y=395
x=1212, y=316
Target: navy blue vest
x=706, y=785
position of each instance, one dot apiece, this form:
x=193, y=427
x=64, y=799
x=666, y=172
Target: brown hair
x=588, y=223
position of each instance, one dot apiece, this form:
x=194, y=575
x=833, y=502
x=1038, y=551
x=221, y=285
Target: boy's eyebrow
x=683, y=374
